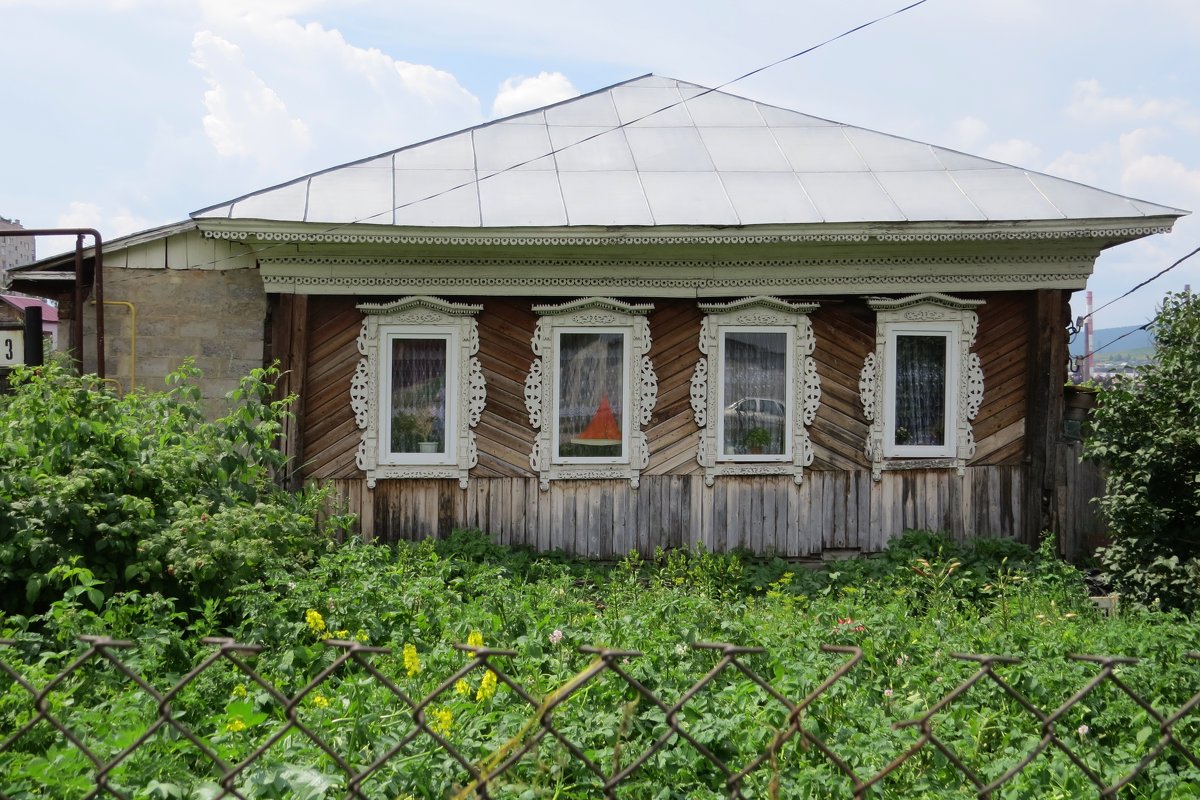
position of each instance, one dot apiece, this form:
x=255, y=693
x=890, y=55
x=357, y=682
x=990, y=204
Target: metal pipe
x=97, y=286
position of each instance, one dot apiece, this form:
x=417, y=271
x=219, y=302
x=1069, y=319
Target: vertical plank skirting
x=830, y=509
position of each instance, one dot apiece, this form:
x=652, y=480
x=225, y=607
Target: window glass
x=754, y=385
x=591, y=395
x=920, y=390
x=418, y=395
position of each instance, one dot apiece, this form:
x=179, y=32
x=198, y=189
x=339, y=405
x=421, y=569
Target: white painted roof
x=657, y=151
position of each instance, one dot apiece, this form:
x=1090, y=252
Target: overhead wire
x=620, y=126
x=1078, y=326
x=1149, y=280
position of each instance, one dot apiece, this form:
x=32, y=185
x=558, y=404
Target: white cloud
x=246, y=117
x=968, y=131
x=522, y=94
x=1013, y=151
x=80, y=215
x=1084, y=167
x=1089, y=103
x=351, y=101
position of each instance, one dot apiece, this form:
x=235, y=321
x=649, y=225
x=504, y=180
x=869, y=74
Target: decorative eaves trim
x=986, y=232
x=664, y=287
x=286, y=262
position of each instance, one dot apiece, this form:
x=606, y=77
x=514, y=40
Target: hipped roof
x=658, y=151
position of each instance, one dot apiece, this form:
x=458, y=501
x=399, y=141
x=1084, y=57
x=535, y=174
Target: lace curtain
x=921, y=390
x=755, y=387
x=418, y=411
x=591, y=395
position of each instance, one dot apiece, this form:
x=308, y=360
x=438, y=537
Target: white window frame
x=723, y=332
x=417, y=317
x=590, y=315
x=389, y=334
x=922, y=315
x=751, y=315
x=949, y=333
x=626, y=377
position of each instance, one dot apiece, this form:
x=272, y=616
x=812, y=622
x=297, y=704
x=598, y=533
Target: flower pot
x=427, y=447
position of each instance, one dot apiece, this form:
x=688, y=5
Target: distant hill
x=1136, y=340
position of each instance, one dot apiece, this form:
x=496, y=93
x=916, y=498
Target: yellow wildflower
x=361, y=635
x=487, y=687
x=412, y=663
x=316, y=623
x=320, y=701
x=442, y=722
x=475, y=639
x=342, y=634
x=235, y=725
x=462, y=687
x=239, y=690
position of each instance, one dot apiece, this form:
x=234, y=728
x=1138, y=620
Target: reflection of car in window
x=756, y=412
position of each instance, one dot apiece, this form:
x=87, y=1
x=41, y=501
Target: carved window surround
x=922, y=315
x=755, y=314
x=414, y=317
x=601, y=315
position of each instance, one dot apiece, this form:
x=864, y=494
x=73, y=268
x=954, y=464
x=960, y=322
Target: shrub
x=141, y=490
x=1147, y=431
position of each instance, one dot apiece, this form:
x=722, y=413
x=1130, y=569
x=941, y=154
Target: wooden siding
x=836, y=507
x=606, y=519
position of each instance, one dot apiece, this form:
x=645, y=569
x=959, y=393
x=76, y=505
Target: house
x=12, y=329
x=651, y=315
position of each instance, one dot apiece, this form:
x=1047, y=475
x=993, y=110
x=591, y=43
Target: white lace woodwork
x=417, y=315
x=540, y=385
x=805, y=391
x=941, y=315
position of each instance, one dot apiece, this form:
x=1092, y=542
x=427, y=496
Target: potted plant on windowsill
x=414, y=429
x=756, y=440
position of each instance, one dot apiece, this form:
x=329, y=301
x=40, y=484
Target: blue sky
x=126, y=114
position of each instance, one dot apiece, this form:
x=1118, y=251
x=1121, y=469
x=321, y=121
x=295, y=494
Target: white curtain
x=755, y=385
x=591, y=394
x=418, y=395
x=921, y=390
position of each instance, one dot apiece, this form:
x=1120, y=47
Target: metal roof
x=21, y=302
x=658, y=151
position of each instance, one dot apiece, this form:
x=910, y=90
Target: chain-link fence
x=416, y=731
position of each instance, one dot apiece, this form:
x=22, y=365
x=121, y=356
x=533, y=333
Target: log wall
x=837, y=507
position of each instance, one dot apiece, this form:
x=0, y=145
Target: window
x=754, y=413
x=590, y=390
x=418, y=390
x=922, y=386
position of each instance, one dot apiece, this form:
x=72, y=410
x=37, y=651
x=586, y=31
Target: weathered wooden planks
x=837, y=507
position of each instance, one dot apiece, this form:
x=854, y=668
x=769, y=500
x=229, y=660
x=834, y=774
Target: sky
x=123, y=115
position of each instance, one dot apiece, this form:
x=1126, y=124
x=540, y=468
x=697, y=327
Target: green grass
x=908, y=610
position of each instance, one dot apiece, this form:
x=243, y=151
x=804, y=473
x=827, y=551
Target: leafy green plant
x=1146, y=430
x=420, y=599
x=142, y=491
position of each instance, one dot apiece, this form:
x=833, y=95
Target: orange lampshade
x=603, y=430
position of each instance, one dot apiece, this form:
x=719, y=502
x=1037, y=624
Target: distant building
x=14, y=250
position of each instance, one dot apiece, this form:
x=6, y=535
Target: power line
x=1135, y=288
x=620, y=126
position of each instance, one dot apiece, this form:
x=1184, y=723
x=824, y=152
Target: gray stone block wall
x=216, y=317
